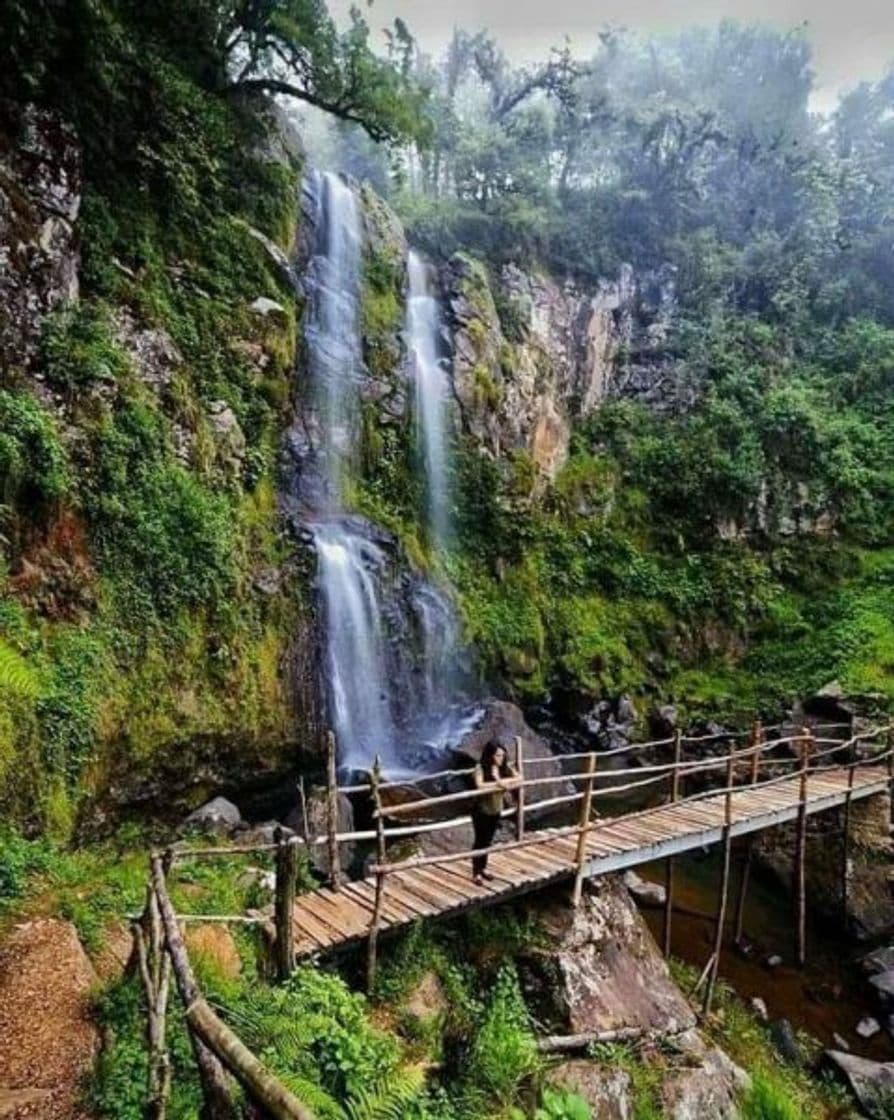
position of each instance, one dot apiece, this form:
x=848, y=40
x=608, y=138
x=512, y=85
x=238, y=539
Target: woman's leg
x=485, y=825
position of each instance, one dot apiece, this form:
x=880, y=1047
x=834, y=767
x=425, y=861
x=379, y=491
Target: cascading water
x=332, y=330
x=356, y=648
x=390, y=637
x=430, y=392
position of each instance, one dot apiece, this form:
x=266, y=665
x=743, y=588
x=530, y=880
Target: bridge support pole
x=846, y=834
x=800, y=877
x=669, y=863
x=332, y=811
x=724, y=887
x=581, y=856
x=889, y=749
x=520, y=804
x=381, y=855
x=286, y=872
x=757, y=742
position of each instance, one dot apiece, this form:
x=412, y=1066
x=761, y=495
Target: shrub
x=33, y=463
x=768, y=1099
x=503, y=1055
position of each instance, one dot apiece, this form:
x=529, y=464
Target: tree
x=293, y=48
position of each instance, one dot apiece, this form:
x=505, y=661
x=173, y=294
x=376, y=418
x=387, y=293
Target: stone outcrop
x=608, y=1092
x=872, y=1083
x=600, y=969
x=707, y=1083
x=870, y=909
x=532, y=356
x=597, y=970
x=40, y=196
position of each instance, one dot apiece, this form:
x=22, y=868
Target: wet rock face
x=40, y=195
x=870, y=898
x=532, y=356
x=601, y=969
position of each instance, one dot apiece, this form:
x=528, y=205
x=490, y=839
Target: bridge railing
x=760, y=761
x=806, y=753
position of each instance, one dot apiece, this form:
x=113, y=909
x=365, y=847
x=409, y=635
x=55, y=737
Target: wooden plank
x=406, y=889
x=435, y=897
x=338, y=921
x=311, y=928
x=392, y=911
x=433, y=878
x=360, y=914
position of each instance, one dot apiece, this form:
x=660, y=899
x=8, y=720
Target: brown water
x=829, y=995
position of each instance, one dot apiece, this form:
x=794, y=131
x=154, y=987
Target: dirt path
x=47, y=1040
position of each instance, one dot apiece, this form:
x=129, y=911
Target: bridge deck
x=326, y=919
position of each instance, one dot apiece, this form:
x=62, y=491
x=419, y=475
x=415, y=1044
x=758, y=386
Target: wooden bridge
x=749, y=788
x=441, y=886
x=754, y=785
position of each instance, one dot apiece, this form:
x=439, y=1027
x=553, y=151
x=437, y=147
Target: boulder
x=782, y=1035
x=759, y=1007
x=599, y=968
x=218, y=817
x=154, y=355
x=710, y=1086
x=868, y=1027
x=505, y=722
x=883, y=982
x=879, y=960
x=649, y=894
x=608, y=1092
x=317, y=820
x=228, y=436
x=266, y=307
x=275, y=255
x=872, y=1083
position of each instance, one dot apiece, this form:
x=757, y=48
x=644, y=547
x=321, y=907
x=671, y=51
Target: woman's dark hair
x=488, y=756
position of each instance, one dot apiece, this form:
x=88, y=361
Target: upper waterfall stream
x=430, y=393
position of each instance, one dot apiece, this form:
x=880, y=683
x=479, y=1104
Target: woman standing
x=494, y=777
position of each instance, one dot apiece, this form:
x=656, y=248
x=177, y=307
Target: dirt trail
x=47, y=1040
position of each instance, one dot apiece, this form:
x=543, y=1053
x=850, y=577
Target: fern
x=389, y=1097
x=16, y=675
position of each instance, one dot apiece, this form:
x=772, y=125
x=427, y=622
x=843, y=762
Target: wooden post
x=580, y=858
x=218, y=1100
x=155, y=971
x=724, y=887
x=332, y=811
x=286, y=873
x=757, y=742
x=381, y=855
x=305, y=826
x=520, y=805
x=800, y=877
x=846, y=833
x=669, y=863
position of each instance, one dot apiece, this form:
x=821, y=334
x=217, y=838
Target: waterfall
x=390, y=636
x=359, y=692
x=332, y=328
x=423, y=331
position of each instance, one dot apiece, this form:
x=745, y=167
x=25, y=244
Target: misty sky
x=851, y=40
